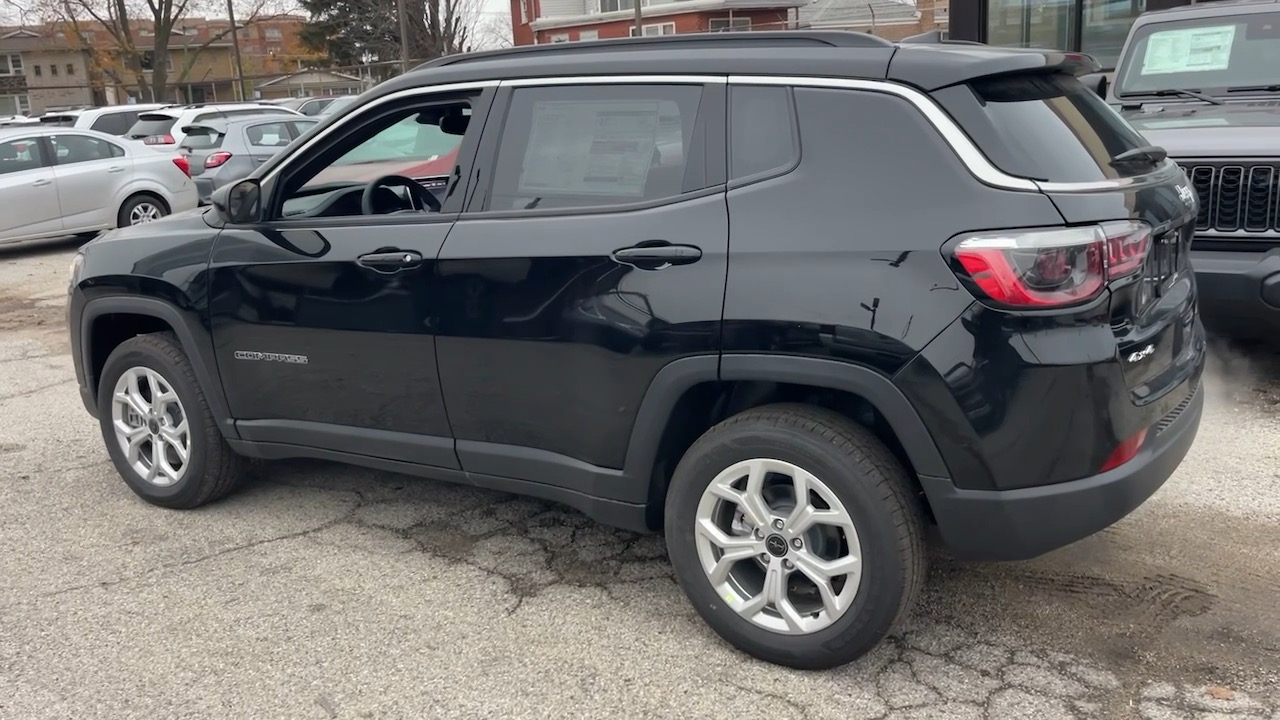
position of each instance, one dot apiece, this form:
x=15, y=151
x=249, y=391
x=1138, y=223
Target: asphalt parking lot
x=320, y=591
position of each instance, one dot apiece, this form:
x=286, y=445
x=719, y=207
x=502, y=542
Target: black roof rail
x=759, y=38
x=939, y=37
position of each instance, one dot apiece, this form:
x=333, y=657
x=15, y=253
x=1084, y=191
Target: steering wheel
x=419, y=198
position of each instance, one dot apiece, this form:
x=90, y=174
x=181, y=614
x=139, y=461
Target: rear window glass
x=202, y=139
x=58, y=120
x=1046, y=127
x=113, y=123
x=152, y=124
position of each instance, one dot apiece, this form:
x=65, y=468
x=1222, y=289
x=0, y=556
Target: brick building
x=53, y=66
x=550, y=21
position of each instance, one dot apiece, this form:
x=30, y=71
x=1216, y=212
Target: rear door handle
x=115, y=169
x=656, y=255
x=390, y=261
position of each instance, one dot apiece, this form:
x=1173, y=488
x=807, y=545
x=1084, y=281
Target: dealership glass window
x=1105, y=26
x=1047, y=24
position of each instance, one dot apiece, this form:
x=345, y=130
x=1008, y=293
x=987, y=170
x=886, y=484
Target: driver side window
x=416, y=140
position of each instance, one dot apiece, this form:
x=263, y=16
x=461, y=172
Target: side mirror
x=1097, y=82
x=238, y=203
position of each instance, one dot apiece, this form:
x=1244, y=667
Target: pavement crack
x=769, y=694
x=42, y=388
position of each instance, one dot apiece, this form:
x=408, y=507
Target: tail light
x=157, y=140
x=183, y=164
x=1056, y=267
x=217, y=159
x=1125, y=451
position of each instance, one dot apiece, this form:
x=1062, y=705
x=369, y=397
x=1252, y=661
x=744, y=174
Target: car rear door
x=28, y=188
x=593, y=253
x=265, y=139
x=89, y=171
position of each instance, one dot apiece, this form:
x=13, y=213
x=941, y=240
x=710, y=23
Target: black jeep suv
x=791, y=297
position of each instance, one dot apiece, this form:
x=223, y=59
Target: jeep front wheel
x=158, y=428
x=792, y=532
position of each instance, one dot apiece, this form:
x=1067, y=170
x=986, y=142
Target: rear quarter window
x=112, y=123
x=1042, y=126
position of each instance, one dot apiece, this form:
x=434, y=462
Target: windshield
x=1210, y=54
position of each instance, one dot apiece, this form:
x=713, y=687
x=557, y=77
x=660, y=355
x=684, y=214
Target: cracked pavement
x=321, y=591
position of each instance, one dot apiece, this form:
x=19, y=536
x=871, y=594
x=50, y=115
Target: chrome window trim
x=392, y=97
x=968, y=153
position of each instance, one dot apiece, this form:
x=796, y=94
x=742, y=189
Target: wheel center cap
x=776, y=545
x=153, y=426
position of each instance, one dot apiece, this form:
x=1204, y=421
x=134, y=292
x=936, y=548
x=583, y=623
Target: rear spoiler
x=918, y=62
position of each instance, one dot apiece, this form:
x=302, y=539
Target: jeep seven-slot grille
x=1236, y=196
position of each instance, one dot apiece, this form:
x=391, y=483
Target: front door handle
x=390, y=261
x=41, y=182
x=115, y=169
x=656, y=255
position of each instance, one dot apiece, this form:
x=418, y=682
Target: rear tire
x=158, y=428
x=141, y=208
x=845, y=582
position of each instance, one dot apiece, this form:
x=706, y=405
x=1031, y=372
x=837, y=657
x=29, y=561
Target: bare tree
x=493, y=31
x=141, y=33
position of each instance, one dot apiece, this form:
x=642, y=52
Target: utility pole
x=639, y=19
x=235, y=49
x=404, y=36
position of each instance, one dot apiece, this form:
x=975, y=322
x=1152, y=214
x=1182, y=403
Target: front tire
x=793, y=532
x=158, y=428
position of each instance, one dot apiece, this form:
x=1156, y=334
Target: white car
x=112, y=119
x=64, y=181
x=163, y=127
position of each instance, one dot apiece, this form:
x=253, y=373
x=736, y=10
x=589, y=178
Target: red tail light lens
x=1125, y=451
x=183, y=164
x=1056, y=267
x=158, y=140
x=216, y=159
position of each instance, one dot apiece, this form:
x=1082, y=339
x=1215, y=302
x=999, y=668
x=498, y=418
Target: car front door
x=89, y=172
x=592, y=254
x=29, y=190
x=323, y=314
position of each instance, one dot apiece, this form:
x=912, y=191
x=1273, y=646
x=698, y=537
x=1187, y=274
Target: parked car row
x=76, y=172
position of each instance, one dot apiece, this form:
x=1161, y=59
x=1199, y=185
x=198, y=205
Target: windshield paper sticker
x=589, y=148
x=1192, y=50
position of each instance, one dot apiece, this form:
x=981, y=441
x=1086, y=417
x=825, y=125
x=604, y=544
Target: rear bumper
x=1028, y=522
x=1239, y=292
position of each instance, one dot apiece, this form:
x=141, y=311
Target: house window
x=560, y=37
x=10, y=64
x=53, y=69
x=729, y=24
x=36, y=69
x=71, y=69
x=272, y=33
x=607, y=6
x=14, y=105
x=657, y=29
x=589, y=35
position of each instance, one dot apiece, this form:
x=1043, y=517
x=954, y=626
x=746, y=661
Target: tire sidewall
x=123, y=219
x=883, y=586
x=130, y=355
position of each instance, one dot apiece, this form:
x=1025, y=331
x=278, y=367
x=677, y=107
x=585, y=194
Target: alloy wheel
x=151, y=426
x=778, y=546
x=144, y=212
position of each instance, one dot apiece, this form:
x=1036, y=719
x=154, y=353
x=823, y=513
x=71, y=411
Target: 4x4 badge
x=1135, y=357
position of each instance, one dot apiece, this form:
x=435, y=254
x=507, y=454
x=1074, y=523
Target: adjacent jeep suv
x=1203, y=83
x=790, y=297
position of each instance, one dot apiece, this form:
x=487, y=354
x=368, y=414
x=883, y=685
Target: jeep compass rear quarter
x=788, y=297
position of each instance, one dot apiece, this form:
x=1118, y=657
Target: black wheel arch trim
x=877, y=389
x=198, y=353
